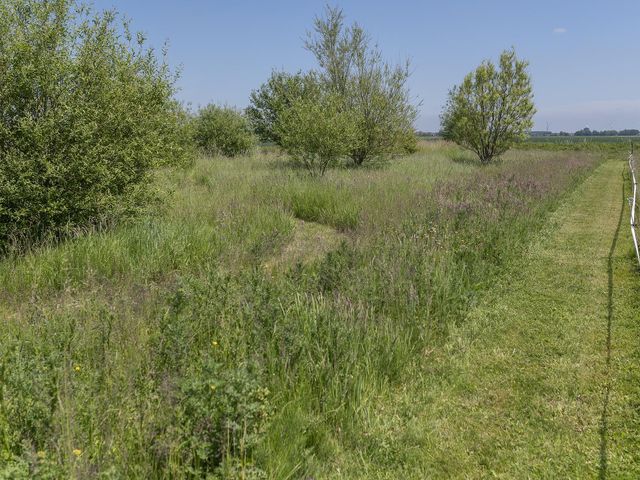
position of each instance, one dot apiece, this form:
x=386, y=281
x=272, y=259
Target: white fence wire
x=633, y=201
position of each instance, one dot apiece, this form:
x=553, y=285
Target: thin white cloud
x=559, y=30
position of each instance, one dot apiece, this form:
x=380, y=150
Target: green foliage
x=374, y=91
x=268, y=103
x=223, y=130
x=408, y=143
x=29, y=388
x=491, y=109
x=85, y=116
x=317, y=130
x=223, y=414
x=587, y=132
x=365, y=95
x=30, y=382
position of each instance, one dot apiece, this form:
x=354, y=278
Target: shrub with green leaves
x=86, y=113
x=223, y=131
x=491, y=109
x=223, y=414
x=317, y=131
x=275, y=96
x=372, y=91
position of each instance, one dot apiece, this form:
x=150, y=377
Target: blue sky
x=584, y=55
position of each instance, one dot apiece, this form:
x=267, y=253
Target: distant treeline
x=585, y=132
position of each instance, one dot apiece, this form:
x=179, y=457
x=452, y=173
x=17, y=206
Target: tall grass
x=164, y=348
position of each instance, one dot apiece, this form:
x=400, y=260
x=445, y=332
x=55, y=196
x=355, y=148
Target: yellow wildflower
x=214, y=343
x=41, y=454
x=77, y=452
x=212, y=387
x=77, y=368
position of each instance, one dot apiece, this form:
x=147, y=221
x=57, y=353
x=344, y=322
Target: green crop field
x=592, y=139
x=567, y=140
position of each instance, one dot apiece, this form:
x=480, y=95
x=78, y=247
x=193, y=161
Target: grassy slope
x=520, y=389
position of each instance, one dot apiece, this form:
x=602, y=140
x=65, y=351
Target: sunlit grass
x=395, y=254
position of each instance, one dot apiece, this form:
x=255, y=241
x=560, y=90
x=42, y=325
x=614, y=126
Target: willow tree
x=491, y=109
x=269, y=102
x=375, y=92
x=223, y=131
x=317, y=130
x=372, y=94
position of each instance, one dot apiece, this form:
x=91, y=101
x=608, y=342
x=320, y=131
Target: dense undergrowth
x=165, y=349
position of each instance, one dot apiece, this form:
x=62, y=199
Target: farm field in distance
x=306, y=311
x=574, y=141
x=578, y=139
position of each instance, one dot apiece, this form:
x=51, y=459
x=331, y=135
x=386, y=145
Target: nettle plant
x=491, y=109
x=86, y=114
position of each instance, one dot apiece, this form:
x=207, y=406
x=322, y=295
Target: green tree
x=491, y=109
x=267, y=103
x=223, y=130
x=374, y=91
x=85, y=115
x=317, y=130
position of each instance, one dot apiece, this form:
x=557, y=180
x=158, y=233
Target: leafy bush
x=491, y=109
x=408, y=143
x=223, y=130
x=274, y=97
x=85, y=116
x=374, y=91
x=27, y=397
x=317, y=130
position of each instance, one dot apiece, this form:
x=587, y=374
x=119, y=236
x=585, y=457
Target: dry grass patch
x=310, y=241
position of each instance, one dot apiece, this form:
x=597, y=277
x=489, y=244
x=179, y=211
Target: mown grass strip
x=518, y=392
